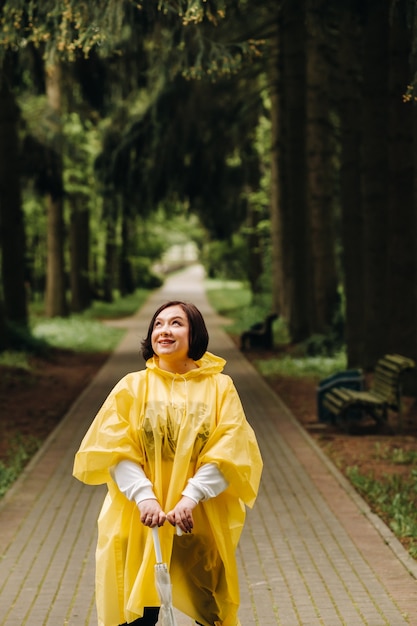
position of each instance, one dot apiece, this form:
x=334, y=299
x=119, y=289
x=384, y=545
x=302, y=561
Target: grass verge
x=21, y=450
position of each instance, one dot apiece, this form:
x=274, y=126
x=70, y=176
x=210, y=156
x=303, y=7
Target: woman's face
x=170, y=333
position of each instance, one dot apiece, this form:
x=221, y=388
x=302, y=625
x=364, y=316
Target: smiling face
x=170, y=335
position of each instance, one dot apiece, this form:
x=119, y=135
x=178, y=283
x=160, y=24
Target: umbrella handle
x=157, y=544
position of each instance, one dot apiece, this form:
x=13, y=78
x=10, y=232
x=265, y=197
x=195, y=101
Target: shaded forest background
x=279, y=139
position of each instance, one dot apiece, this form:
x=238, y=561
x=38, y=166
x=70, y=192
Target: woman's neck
x=177, y=367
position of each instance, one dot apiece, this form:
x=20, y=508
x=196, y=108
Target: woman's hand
x=181, y=515
x=151, y=513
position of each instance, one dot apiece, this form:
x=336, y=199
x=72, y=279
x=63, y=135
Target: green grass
x=83, y=332
x=121, y=307
x=396, y=456
x=311, y=366
x=11, y=358
x=78, y=334
x=21, y=450
x=394, y=499
x=227, y=296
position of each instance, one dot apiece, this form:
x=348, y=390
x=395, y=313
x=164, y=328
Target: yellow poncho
x=171, y=424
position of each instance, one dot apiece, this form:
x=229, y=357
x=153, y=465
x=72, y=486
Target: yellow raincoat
x=171, y=424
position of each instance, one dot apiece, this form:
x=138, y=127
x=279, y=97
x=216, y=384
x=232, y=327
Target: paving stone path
x=311, y=553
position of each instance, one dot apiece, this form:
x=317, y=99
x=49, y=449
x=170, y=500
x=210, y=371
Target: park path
x=311, y=553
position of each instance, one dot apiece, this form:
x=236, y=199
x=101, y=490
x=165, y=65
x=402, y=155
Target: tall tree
x=277, y=270
x=12, y=234
x=79, y=235
x=375, y=174
x=80, y=150
x=351, y=226
x=401, y=290
x=293, y=204
x=320, y=172
x=55, y=304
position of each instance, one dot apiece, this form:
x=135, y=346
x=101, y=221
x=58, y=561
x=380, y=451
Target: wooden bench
x=348, y=379
x=384, y=393
x=259, y=335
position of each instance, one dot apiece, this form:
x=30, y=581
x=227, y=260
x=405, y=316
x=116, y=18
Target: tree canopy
x=113, y=113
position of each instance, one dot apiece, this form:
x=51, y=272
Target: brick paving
x=311, y=554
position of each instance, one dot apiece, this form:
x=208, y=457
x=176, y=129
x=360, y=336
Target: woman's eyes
x=173, y=323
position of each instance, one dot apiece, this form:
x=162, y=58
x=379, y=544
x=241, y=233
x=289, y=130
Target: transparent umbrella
x=163, y=585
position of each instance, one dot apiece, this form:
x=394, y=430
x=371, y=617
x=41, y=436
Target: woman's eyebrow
x=171, y=319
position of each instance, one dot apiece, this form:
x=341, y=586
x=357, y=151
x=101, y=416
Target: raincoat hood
x=208, y=364
x=171, y=424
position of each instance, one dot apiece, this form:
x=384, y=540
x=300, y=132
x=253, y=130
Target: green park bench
x=384, y=393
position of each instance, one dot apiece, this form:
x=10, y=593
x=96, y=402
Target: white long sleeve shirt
x=207, y=482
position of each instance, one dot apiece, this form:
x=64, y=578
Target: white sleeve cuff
x=207, y=483
x=132, y=481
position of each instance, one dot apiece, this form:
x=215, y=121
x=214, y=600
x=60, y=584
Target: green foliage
x=394, y=499
x=397, y=456
x=18, y=360
x=321, y=345
x=21, y=339
x=120, y=307
x=35, y=226
x=227, y=297
x=226, y=259
x=81, y=148
x=63, y=27
x=21, y=449
x=143, y=273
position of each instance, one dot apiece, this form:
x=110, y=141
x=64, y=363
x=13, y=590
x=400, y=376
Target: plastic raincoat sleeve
x=110, y=438
x=233, y=447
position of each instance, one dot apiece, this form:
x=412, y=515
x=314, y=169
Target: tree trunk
x=323, y=298
x=349, y=105
x=254, y=251
x=126, y=282
x=4, y=335
x=12, y=230
x=110, y=260
x=293, y=205
x=55, y=278
x=80, y=253
x=278, y=301
x=375, y=176
x=401, y=284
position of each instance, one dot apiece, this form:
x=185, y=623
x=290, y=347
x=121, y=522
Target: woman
x=173, y=445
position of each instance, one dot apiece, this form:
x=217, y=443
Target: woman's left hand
x=151, y=513
x=181, y=515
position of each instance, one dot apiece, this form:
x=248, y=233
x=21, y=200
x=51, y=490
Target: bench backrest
x=386, y=381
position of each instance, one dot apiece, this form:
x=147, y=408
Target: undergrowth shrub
x=21, y=449
x=394, y=499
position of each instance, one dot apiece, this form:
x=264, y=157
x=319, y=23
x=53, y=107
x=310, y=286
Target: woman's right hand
x=151, y=513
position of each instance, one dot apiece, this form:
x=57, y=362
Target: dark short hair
x=198, y=336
